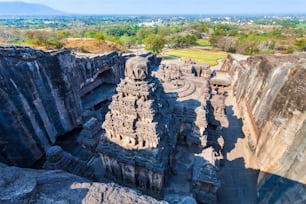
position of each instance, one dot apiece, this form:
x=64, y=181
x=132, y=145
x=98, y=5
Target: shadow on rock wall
x=244, y=185
x=238, y=183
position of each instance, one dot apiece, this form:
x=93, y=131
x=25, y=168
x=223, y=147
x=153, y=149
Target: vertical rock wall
x=40, y=97
x=271, y=94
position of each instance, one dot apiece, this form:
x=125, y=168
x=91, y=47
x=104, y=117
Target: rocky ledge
x=19, y=185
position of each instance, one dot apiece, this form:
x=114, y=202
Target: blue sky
x=176, y=6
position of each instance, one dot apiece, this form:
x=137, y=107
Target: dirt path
x=238, y=182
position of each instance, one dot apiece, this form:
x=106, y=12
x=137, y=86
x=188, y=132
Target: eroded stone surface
x=163, y=130
x=57, y=158
x=41, y=186
x=270, y=91
x=40, y=97
x=187, y=85
x=15, y=184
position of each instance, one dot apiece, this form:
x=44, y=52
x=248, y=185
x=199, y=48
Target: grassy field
x=203, y=42
x=301, y=25
x=201, y=56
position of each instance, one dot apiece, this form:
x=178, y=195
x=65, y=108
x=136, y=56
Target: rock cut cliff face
x=271, y=94
x=40, y=97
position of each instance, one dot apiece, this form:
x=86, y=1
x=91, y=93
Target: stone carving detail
x=89, y=136
x=144, y=125
x=218, y=108
x=132, y=121
x=57, y=158
x=138, y=142
x=204, y=177
x=137, y=69
x=198, y=112
x=201, y=70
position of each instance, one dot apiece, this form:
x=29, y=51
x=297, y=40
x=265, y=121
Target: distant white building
x=151, y=24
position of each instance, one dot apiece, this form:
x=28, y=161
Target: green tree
x=214, y=39
x=176, y=41
x=62, y=34
x=301, y=44
x=154, y=43
x=127, y=41
x=99, y=36
x=113, y=39
x=179, y=41
x=90, y=34
x=44, y=38
x=190, y=40
x=37, y=37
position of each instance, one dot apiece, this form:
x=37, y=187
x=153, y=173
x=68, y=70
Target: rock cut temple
x=137, y=147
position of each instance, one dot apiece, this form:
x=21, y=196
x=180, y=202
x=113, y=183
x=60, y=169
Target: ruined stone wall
x=271, y=92
x=40, y=97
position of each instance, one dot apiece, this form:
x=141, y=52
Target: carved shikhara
x=135, y=149
x=132, y=121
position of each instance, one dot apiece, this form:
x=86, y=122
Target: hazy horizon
x=164, y=7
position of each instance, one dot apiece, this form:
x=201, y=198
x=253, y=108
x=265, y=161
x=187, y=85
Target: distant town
x=236, y=34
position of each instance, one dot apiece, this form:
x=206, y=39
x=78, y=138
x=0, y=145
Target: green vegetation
x=201, y=56
x=301, y=25
x=180, y=41
x=203, y=42
x=98, y=36
x=283, y=38
x=127, y=41
x=43, y=38
x=245, y=35
x=169, y=57
x=301, y=44
x=154, y=43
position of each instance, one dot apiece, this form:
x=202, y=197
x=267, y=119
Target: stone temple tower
x=137, y=147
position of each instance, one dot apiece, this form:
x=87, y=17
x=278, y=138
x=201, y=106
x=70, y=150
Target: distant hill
x=22, y=8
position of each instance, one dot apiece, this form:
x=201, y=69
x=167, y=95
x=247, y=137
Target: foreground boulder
x=19, y=185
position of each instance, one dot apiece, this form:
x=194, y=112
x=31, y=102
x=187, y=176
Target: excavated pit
x=208, y=141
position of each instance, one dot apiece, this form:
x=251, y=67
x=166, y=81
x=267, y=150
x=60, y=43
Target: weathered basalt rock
x=57, y=158
x=218, y=108
x=139, y=139
x=48, y=94
x=201, y=70
x=198, y=112
x=40, y=97
x=15, y=185
x=204, y=177
x=271, y=93
x=44, y=186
